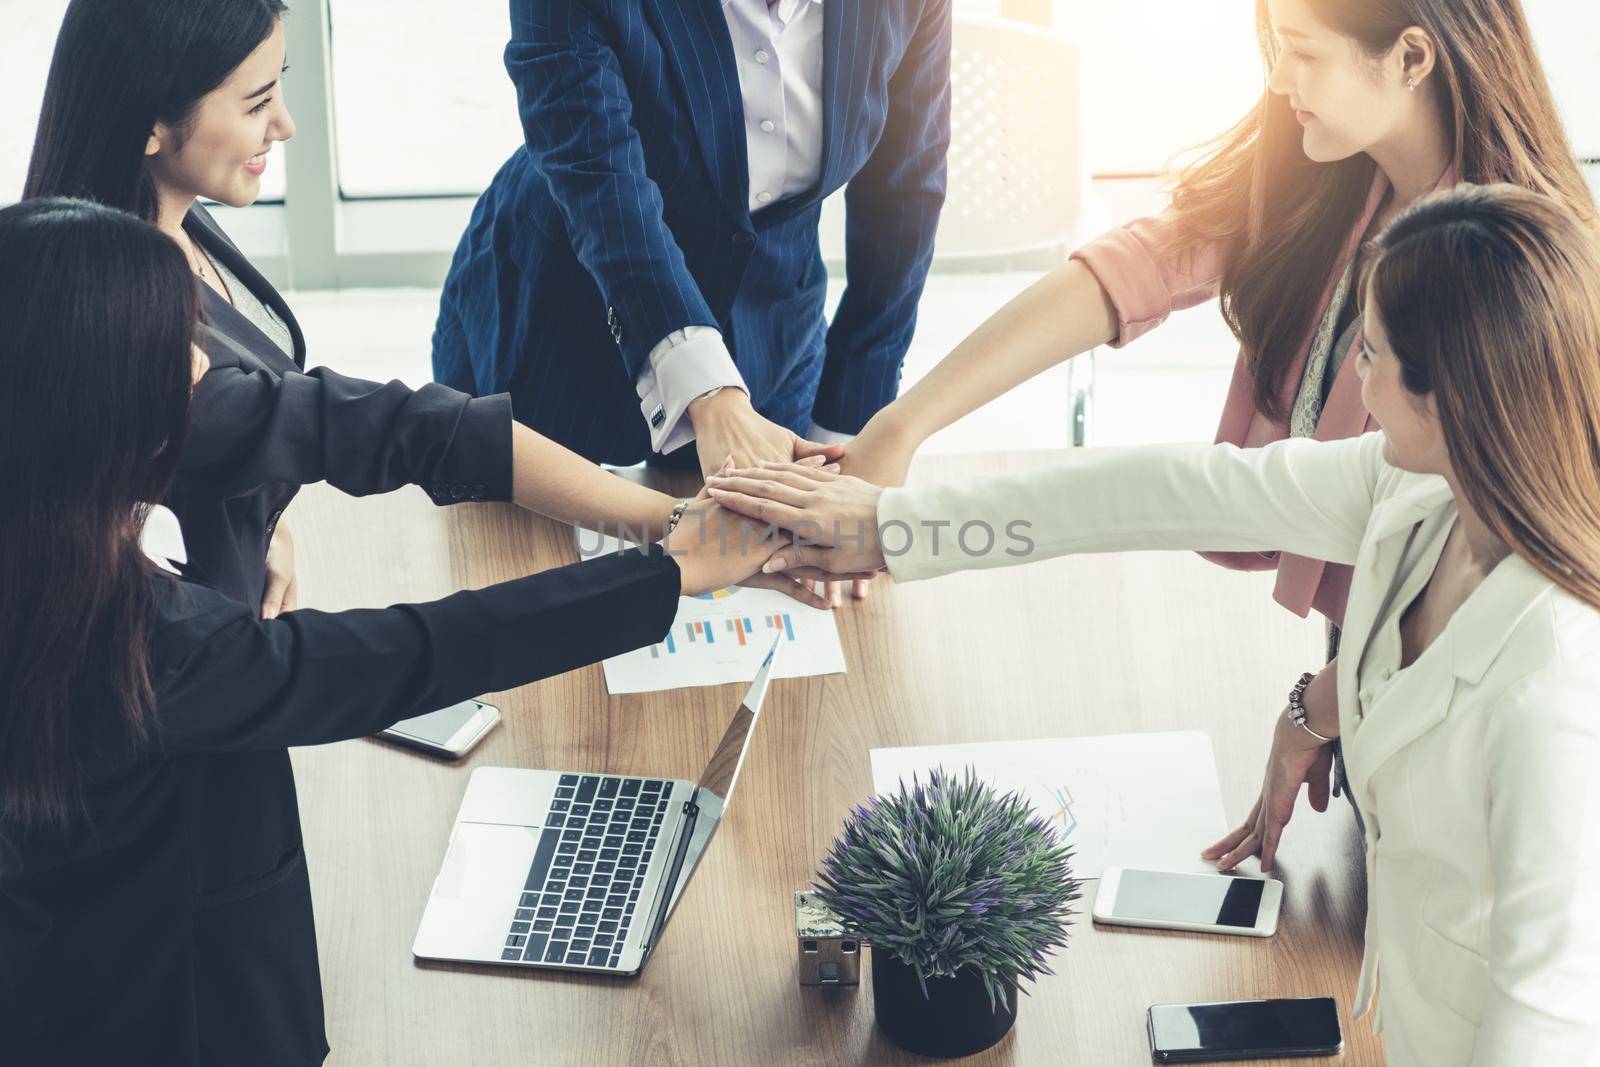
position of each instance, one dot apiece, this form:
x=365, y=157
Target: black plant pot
x=954, y=1019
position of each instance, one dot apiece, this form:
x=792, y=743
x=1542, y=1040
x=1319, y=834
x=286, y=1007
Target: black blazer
x=177, y=931
x=261, y=428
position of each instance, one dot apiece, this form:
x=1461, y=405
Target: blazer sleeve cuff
x=558, y=620
x=1132, y=279
x=477, y=464
x=683, y=366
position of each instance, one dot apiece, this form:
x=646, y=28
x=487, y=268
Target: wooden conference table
x=1087, y=645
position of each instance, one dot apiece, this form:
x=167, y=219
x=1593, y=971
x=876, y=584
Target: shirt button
x=744, y=240
x=765, y=198
x=762, y=55
x=767, y=126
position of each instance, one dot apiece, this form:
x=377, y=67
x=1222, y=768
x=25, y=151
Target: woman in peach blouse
x=1369, y=105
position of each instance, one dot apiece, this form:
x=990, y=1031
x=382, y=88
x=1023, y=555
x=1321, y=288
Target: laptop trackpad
x=487, y=861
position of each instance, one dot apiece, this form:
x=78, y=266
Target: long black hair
x=122, y=66
x=98, y=315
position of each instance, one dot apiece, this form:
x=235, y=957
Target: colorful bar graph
x=672, y=647
x=739, y=628
x=698, y=629
x=781, y=622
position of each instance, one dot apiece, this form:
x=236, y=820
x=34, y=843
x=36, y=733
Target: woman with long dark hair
x=1466, y=691
x=154, y=902
x=152, y=105
x=1368, y=105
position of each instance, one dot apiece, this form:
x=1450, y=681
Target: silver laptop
x=573, y=871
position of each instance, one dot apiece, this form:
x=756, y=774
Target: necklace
x=196, y=258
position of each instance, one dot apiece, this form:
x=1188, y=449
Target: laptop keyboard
x=578, y=902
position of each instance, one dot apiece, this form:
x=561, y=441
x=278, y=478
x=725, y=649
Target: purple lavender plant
x=951, y=875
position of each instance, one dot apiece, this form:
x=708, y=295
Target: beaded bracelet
x=677, y=516
x=1297, y=708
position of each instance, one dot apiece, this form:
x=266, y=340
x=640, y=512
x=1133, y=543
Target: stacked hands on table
x=716, y=549
x=811, y=519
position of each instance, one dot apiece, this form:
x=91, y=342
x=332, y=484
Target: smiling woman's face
x=223, y=152
x=1347, y=100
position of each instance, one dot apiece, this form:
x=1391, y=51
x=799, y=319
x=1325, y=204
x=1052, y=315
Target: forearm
x=553, y=481
x=1063, y=314
x=1310, y=498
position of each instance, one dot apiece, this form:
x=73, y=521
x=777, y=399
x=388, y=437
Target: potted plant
x=961, y=893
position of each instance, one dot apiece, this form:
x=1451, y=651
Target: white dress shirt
x=1473, y=766
x=778, y=50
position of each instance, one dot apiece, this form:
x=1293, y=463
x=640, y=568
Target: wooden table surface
x=1078, y=646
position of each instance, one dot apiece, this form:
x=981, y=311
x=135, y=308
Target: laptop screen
x=715, y=788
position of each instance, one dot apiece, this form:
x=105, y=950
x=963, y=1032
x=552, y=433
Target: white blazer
x=1477, y=768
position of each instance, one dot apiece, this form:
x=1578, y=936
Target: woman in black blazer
x=152, y=105
x=153, y=909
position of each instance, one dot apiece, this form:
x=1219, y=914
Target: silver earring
x=1411, y=83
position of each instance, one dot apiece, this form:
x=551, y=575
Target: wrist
x=1310, y=712
x=655, y=514
x=677, y=546
x=895, y=425
x=717, y=403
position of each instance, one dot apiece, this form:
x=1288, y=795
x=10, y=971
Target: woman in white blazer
x=1467, y=693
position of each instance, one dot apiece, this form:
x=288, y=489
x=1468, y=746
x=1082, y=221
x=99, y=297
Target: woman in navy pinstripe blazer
x=629, y=215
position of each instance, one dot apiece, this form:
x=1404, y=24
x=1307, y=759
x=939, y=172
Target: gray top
x=251, y=307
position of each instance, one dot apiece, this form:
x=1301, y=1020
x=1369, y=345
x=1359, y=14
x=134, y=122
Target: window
x=30, y=38
x=422, y=105
x=1568, y=32
x=1142, y=100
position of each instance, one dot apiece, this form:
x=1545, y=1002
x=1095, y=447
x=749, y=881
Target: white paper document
x=722, y=637
x=1126, y=800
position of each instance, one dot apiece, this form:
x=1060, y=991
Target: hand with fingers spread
x=726, y=426
x=833, y=517
x=803, y=590
x=1297, y=759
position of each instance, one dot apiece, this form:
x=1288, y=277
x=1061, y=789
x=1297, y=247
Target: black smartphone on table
x=1245, y=1030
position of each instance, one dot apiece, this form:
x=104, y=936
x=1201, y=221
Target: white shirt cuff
x=828, y=437
x=685, y=365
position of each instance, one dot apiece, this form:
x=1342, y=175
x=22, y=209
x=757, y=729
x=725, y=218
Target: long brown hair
x=97, y=316
x=1282, y=220
x=1490, y=297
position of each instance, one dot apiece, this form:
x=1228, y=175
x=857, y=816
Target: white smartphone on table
x=449, y=732
x=1201, y=903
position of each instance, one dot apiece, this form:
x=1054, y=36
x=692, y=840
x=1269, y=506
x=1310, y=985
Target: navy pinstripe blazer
x=624, y=217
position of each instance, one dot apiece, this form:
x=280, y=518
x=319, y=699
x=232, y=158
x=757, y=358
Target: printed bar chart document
x=1128, y=800
x=722, y=637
